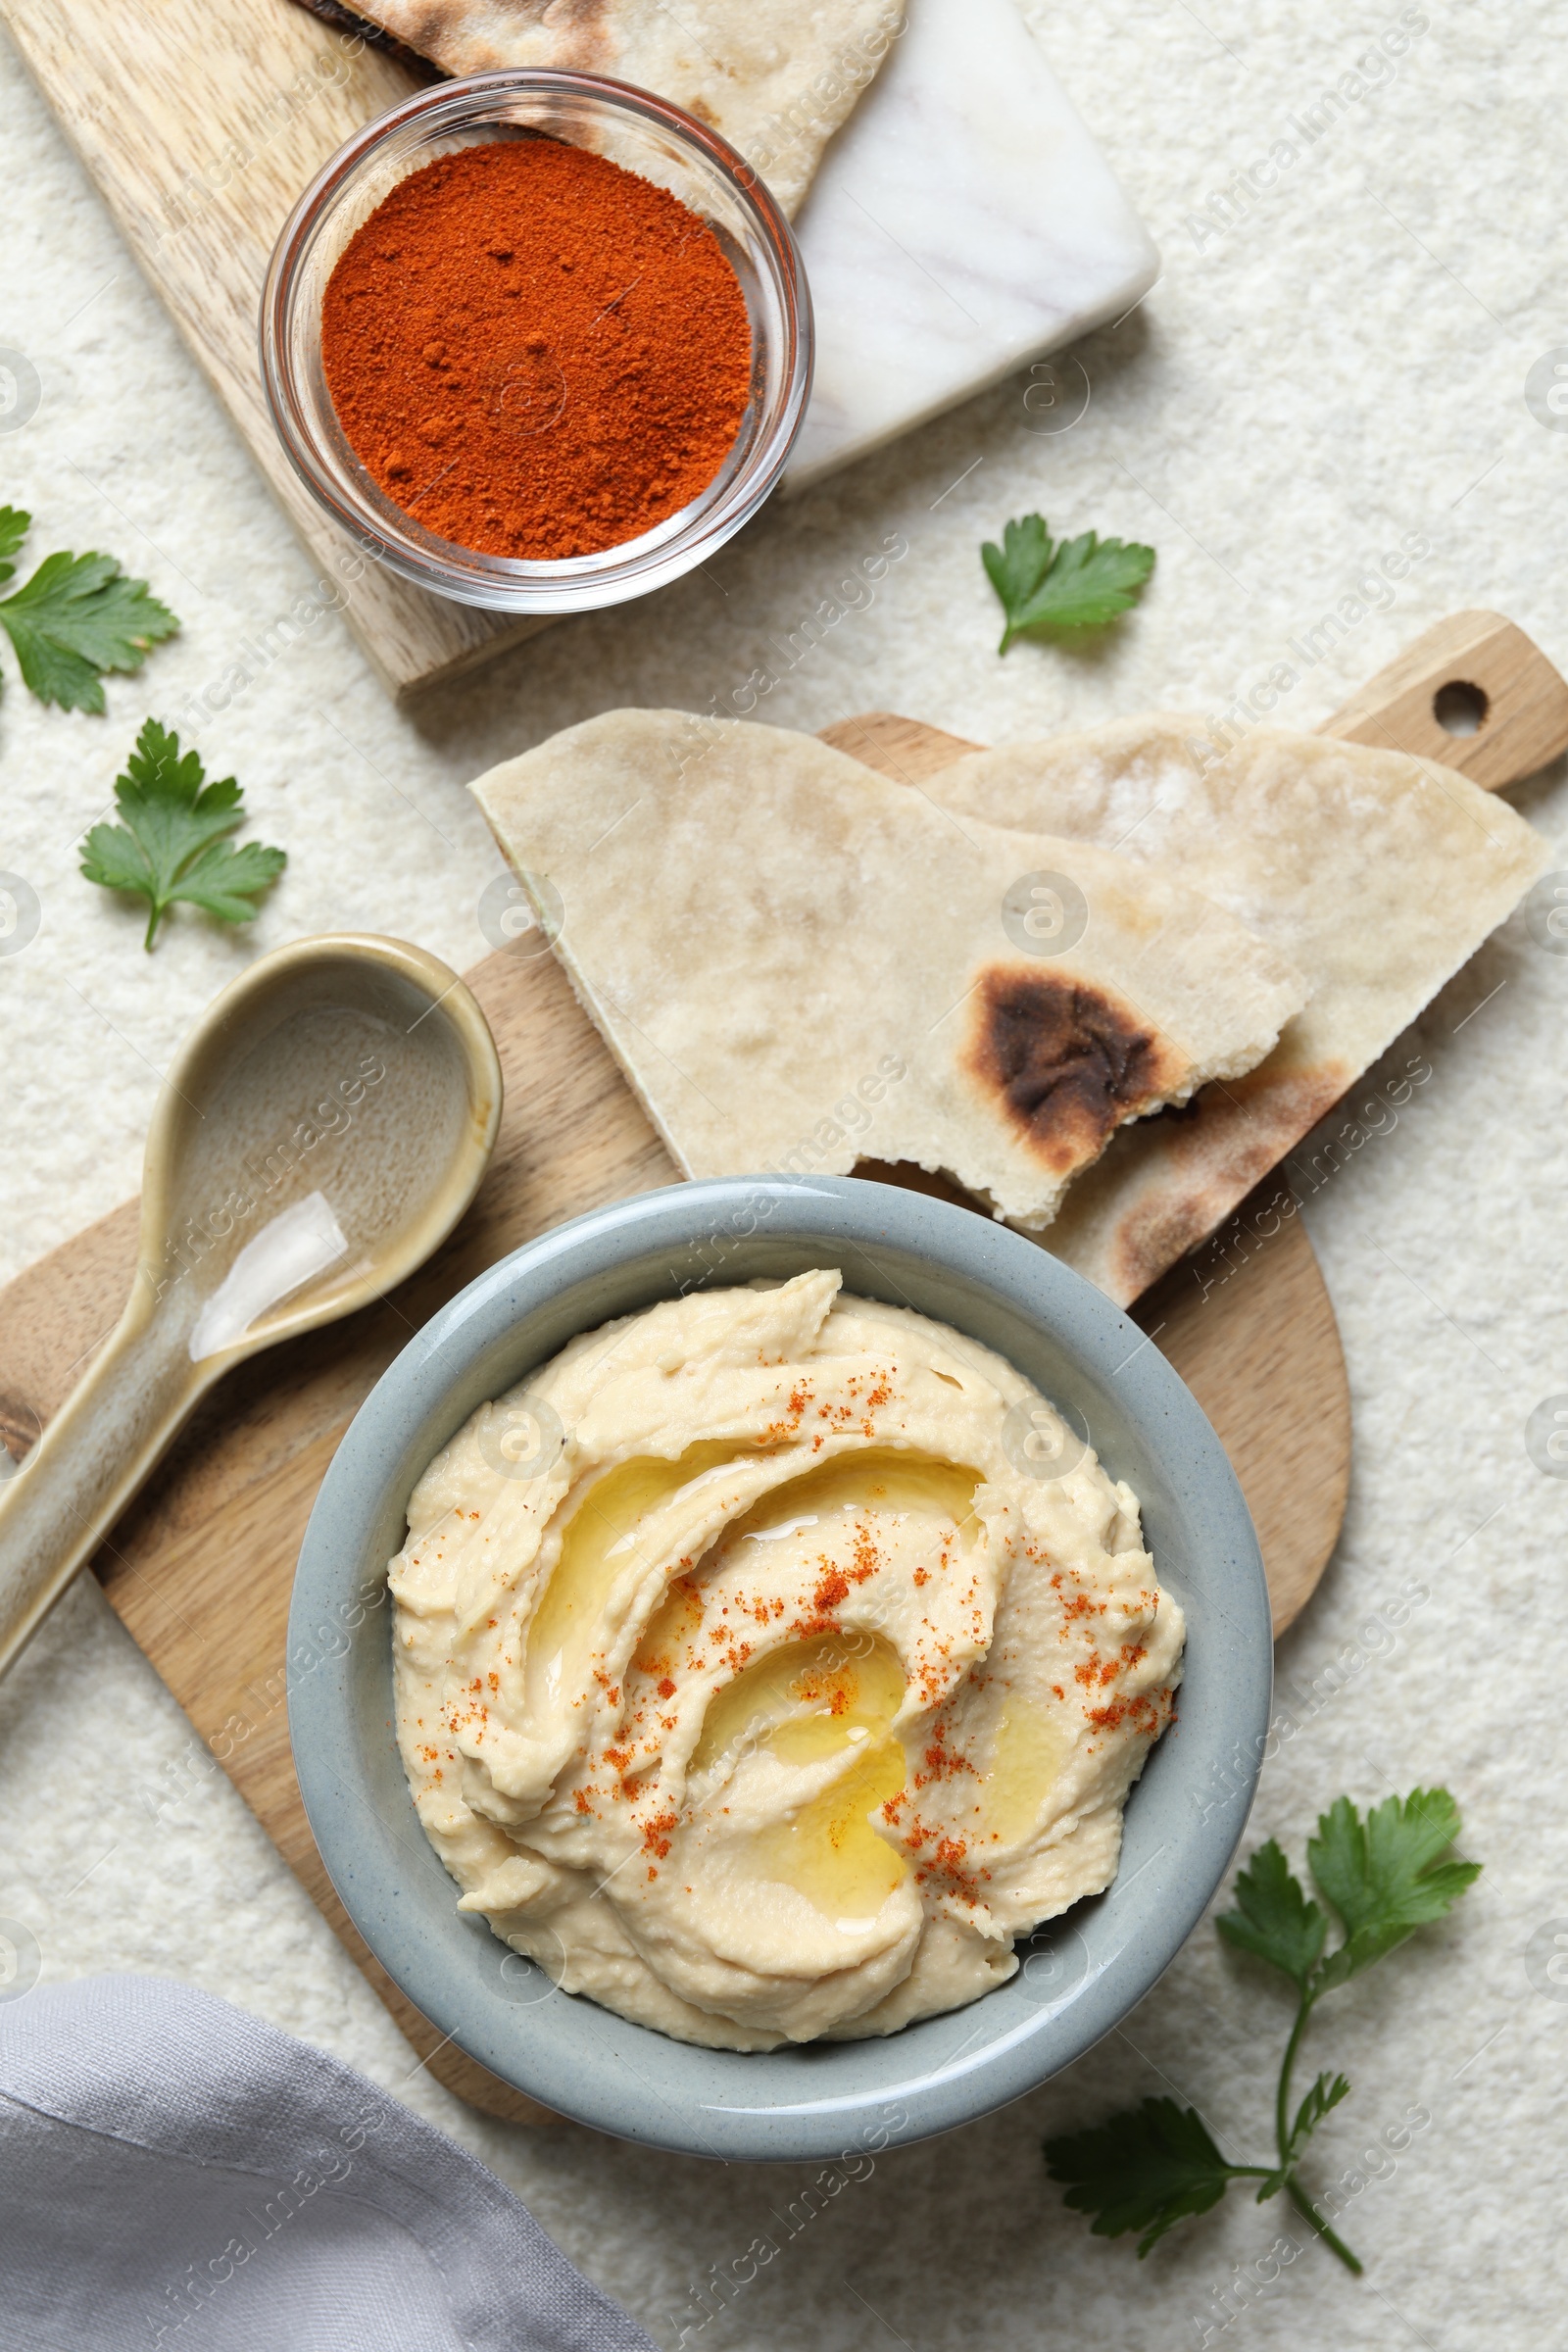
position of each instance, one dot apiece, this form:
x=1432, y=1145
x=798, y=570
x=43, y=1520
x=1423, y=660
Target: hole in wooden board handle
x=1474, y=692
x=1461, y=708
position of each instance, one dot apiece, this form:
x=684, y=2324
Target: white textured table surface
x=1344, y=365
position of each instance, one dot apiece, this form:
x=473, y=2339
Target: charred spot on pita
x=1065, y=1061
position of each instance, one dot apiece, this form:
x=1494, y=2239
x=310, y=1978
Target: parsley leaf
x=1273, y=1918
x=1145, y=2170
x=1384, y=1877
x=171, y=843
x=1017, y=566
x=15, y=524
x=1325, y=2094
x=1080, y=583
x=77, y=617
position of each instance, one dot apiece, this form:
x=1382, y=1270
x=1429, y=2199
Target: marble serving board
x=963, y=223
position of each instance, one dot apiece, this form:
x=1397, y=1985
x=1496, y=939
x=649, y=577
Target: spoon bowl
x=320, y=1133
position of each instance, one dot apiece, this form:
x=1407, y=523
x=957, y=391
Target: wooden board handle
x=1480, y=671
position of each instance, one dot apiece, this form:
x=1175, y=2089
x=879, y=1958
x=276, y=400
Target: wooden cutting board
x=200, y=121
x=200, y=1569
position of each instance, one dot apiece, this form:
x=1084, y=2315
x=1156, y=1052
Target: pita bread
x=1378, y=875
x=775, y=77
x=800, y=964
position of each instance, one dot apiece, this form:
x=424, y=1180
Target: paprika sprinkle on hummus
x=779, y=1690
x=535, y=353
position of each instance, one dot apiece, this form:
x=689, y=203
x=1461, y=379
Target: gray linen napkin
x=174, y=2173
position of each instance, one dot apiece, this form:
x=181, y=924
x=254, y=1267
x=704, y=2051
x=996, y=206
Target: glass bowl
x=642, y=134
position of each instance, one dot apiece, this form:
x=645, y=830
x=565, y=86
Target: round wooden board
x=1260, y=1351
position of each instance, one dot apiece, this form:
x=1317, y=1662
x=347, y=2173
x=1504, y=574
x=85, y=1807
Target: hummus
x=771, y=1660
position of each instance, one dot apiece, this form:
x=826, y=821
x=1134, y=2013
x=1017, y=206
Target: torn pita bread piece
x=799, y=963
x=775, y=77
x=1376, y=874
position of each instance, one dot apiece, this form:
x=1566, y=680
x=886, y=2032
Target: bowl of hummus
x=778, y=1667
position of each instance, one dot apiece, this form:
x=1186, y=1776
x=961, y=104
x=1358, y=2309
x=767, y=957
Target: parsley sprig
x=170, y=841
x=1383, y=1877
x=1064, y=584
x=78, y=618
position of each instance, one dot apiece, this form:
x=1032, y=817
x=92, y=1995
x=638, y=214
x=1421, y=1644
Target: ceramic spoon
x=321, y=1130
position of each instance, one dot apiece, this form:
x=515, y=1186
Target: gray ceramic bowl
x=1080, y=1975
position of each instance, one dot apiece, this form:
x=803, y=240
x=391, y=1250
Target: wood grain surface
x=200, y=1569
x=201, y=123
x=1486, y=671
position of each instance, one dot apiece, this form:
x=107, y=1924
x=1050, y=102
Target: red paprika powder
x=534, y=352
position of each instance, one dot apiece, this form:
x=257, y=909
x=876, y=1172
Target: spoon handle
x=85, y=1469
